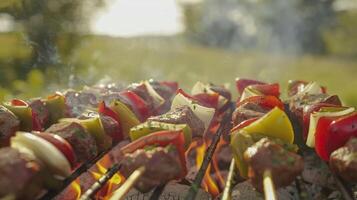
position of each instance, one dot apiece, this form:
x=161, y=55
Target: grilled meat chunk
x=267, y=155
x=40, y=109
x=164, y=91
x=343, y=161
x=297, y=103
x=182, y=115
x=9, y=124
x=82, y=142
x=247, y=111
x=78, y=102
x=17, y=173
x=162, y=165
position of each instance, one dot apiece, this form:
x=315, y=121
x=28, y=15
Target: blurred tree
x=276, y=25
x=43, y=21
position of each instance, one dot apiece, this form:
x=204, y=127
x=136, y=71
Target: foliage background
x=51, y=48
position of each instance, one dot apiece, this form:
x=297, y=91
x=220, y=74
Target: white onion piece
x=249, y=92
x=200, y=88
x=203, y=113
x=43, y=151
x=158, y=100
x=314, y=119
x=311, y=88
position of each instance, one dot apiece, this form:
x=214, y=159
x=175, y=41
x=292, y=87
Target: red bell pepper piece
x=268, y=89
x=162, y=139
x=204, y=99
x=307, y=113
x=36, y=123
x=244, y=124
x=264, y=101
x=242, y=83
x=103, y=109
x=173, y=85
x=139, y=106
x=333, y=133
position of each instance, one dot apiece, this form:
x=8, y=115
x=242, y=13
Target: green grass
x=173, y=58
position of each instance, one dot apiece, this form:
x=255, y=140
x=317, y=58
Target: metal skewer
x=209, y=154
x=100, y=182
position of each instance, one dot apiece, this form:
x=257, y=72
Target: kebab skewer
x=151, y=146
x=57, y=151
x=328, y=127
x=262, y=139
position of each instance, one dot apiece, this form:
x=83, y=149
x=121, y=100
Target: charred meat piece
x=82, y=142
x=182, y=115
x=162, y=165
x=343, y=161
x=264, y=155
x=9, y=124
x=111, y=128
x=297, y=103
x=163, y=90
x=78, y=102
x=17, y=173
x=41, y=111
x=247, y=111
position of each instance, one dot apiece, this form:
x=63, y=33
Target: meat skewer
x=259, y=115
x=65, y=140
x=328, y=127
x=183, y=115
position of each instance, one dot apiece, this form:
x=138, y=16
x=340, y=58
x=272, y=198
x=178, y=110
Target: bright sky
x=128, y=18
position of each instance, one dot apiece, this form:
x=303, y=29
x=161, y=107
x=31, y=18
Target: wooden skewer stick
x=227, y=193
x=120, y=193
x=269, y=188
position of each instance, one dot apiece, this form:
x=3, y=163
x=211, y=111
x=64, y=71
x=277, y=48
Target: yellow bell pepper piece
x=127, y=117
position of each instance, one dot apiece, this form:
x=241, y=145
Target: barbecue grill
x=182, y=190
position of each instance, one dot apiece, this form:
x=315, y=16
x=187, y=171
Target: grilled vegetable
x=332, y=134
x=127, y=118
x=274, y=124
x=44, y=151
x=315, y=118
x=153, y=126
x=56, y=105
x=23, y=111
x=117, y=135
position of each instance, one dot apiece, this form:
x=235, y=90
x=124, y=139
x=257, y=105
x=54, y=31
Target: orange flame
x=208, y=183
x=76, y=188
x=112, y=184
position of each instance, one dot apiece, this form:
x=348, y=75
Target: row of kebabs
x=45, y=140
x=263, y=136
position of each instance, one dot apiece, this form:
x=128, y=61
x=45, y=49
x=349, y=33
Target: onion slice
x=158, y=100
x=314, y=119
x=44, y=151
x=200, y=88
x=205, y=114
